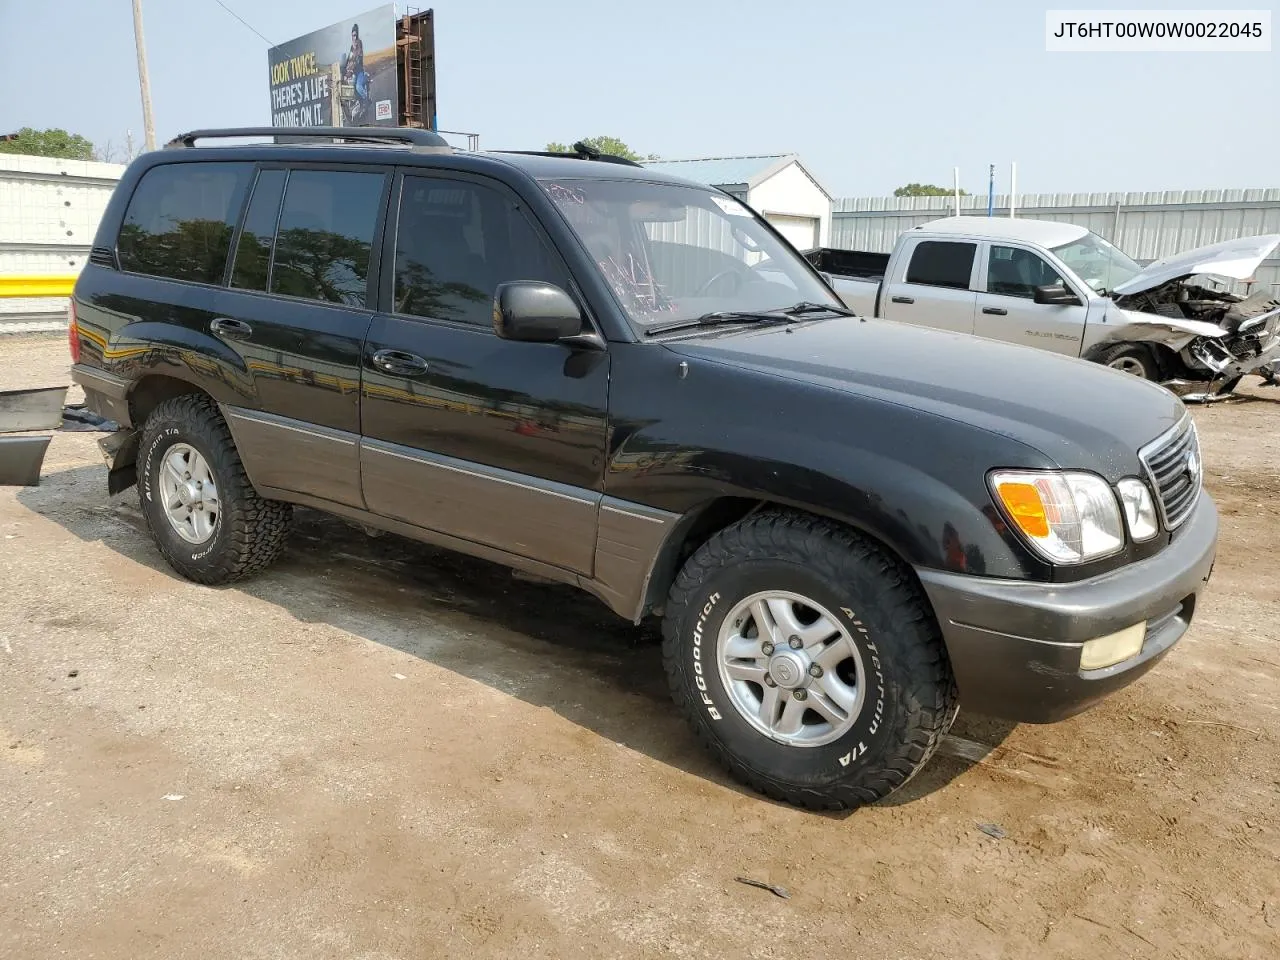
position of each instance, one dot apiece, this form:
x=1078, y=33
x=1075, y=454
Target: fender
x=1131, y=326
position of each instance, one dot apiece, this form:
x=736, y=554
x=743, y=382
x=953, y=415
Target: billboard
x=343, y=75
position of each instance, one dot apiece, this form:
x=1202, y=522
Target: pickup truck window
x=942, y=263
x=325, y=235
x=457, y=241
x=672, y=252
x=1098, y=263
x=180, y=220
x=253, y=252
x=1015, y=272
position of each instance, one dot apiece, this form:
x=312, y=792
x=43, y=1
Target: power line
x=244, y=21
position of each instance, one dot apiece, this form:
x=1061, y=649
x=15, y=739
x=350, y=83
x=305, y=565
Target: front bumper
x=1015, y=645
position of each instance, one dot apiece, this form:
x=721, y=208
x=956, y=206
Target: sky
x=871, y=95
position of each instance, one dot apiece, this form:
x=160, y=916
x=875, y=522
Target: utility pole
x=144, y=83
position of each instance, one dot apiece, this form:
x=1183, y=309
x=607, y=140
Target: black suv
x=615, y=378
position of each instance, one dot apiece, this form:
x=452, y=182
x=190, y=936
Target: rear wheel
x=1131, y=358
x=204, y=515
x=808, y=661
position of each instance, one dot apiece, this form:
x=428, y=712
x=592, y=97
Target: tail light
x=73, y=331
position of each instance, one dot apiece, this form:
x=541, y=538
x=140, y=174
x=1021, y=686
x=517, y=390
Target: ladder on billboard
x=415, y=36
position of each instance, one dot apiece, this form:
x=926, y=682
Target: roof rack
x=580, y=151
x=422, y=141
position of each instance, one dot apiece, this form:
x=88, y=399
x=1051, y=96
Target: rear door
x=491, y=441
x=932, y=284
x=1007, y=309
x=297, y=311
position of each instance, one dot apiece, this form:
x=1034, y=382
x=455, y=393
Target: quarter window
x=942, y=263
x=180, y=220
x=456, y=242
x=1014, y=272
x=325, y=235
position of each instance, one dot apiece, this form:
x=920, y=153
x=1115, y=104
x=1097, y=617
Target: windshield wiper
x=717, y=317
x=808, y=306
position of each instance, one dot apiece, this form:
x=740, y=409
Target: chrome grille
x=1174, y=468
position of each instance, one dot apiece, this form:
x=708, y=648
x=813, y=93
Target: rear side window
x=940, y=263
x=326, y=234
x=253, y=253
x=180, y=220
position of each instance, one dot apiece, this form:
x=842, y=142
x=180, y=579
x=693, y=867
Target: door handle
x=230, y=329
x=996, y=311
x=399, y=363
x=903, y=299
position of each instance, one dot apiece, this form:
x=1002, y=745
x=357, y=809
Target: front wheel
x=1131, y=358
x=808, y=661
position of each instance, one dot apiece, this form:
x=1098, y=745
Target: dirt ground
x=378, y=750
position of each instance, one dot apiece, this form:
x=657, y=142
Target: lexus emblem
x=1193, y=466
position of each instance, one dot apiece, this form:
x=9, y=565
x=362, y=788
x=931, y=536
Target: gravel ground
x=378, y=750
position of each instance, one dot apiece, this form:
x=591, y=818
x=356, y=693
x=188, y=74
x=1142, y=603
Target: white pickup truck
x=1060, y=287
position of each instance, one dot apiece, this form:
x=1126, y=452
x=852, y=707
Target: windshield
x=1095, y=261
x=673, y=253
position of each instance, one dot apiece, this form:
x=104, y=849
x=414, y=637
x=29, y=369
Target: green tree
x=48, y=143
x=926, y=190
x=610, y=145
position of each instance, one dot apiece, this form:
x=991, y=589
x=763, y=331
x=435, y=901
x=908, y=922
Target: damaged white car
x=1061, y=287
x=1203, y=336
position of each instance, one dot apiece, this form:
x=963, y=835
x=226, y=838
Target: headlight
x=1139, y=509
x=1065, y=517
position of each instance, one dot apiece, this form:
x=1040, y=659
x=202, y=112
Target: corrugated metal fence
x=49, y=211
x=1147, y=226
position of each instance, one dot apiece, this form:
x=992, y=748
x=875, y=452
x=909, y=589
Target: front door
x=935, y=286
x=491, y=441
x=1008, y=312
x=297, y=311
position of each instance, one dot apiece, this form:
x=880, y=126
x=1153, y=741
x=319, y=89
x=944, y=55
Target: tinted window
x=1014, y=272
x=937, y=263
x=180, y=220
x=455, y=243
x=253, y=252
x=325, y=235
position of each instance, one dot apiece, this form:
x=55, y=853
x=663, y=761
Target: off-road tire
x=911, y=699
x=250, y=532
x=1132, y=354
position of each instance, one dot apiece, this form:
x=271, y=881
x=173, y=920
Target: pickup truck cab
x=1062, y=288
x=628, y=382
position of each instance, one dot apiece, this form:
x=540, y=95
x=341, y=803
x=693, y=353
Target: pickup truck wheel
x=204, y=515
x=808, y=661
x=1131, y=358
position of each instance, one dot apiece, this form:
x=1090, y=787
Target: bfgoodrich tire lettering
x=249, y=532
x=908, y=696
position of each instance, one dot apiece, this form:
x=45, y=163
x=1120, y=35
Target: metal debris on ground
x=993, y=830
x=776, y=890
x=80, y=419
x=31, y=409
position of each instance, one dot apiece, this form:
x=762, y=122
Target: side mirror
x=535, y=312
x=1056, y=294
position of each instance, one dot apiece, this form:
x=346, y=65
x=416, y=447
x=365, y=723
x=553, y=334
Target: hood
x=1078, y=414
x=1234, y=259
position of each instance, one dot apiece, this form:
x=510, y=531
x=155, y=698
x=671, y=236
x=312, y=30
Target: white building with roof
x=777, y=186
